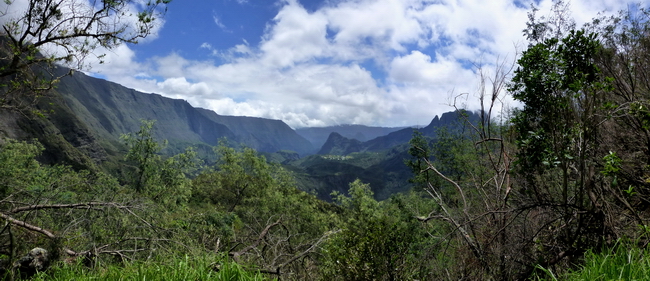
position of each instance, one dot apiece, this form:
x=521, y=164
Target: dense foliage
x=545, y=190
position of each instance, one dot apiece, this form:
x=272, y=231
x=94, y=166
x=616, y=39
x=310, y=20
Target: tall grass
x=181, y=269
x=622, y=262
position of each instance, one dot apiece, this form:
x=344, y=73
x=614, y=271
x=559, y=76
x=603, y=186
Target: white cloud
x=179, y=87
x=295, y=36
x=375, y=62
x=387, y=23
x=219, y=23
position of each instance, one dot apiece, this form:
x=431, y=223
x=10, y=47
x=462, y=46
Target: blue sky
x=330, y=62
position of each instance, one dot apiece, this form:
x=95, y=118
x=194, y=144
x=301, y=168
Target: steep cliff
x=264, y=135
x=111, y=110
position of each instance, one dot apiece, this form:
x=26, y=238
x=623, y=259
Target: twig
x=263, y=234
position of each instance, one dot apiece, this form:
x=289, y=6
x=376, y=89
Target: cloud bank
x=372, y=62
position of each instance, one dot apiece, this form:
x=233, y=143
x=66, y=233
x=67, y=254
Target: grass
x=180, y=269
x=622, y=262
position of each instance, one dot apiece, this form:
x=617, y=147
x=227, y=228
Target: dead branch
x=311, y=248
x=455, y=184
x=87, y=205
x=28, y=226
x=277, y=270
x=236, y=255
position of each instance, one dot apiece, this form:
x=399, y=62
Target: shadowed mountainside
x=110, y=110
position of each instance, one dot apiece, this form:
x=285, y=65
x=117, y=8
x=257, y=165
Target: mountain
x=452, y=119
x=322, y=174
x=378, y=162
x=110, y=110
x=319, y=135
x=339, y=145
x=81, y=121
x=80, y=124
x=265, y=135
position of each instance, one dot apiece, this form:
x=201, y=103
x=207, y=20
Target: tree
x=377, y=240
x=569, y=136
x=74, y=213
x=273, y=225
x=163, y=180
x=472, y=187
x=42, y=33
x=625, y=60
x=240, y=176
x=419, y=150
x=558, y=129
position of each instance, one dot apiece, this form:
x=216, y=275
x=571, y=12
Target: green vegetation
x=181, y=269
x=321, y=174
x=624, y=261
x=545, y=191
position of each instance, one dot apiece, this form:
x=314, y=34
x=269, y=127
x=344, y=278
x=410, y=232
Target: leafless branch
x=236, y=255
x=87, y=205
x=28, y=226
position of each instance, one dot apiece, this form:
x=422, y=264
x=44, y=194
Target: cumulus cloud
x=374, y=62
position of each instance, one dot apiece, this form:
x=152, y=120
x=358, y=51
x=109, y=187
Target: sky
x=317, y=63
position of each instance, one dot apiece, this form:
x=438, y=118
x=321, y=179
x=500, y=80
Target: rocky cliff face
x=262, y=134
x=65, y=138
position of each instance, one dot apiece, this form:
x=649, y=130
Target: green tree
x=377, y=241
x=419, y=150
x=38, y=34
x=266, y=220
x=625, y=60
x=559, y=137
x=73, y=213
x=163, y=180
x=238, y=177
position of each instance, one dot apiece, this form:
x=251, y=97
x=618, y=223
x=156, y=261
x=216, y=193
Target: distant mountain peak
x=337, y=144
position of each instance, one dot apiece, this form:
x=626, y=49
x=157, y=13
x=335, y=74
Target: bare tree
x=477, y=207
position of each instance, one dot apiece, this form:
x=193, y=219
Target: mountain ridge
x=339, y=145
x=319, y=135
x=112, y=109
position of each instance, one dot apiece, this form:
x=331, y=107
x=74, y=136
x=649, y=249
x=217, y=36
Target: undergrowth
x=624, y=261
x=181, y=269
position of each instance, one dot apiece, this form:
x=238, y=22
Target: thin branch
x=87, y=205
x=263, y=234
x=311, y=248
x=28, y=226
